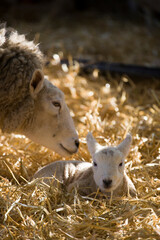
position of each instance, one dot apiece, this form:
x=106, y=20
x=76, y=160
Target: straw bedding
x=109, y=108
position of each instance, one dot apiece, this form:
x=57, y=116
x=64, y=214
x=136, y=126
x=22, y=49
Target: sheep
x=29, y=103
x=106, y=171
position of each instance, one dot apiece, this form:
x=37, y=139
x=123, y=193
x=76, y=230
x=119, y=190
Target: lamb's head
x=108, y=162
x=52, y=125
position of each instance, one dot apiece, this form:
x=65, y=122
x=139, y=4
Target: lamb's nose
x=107, y=183
x=77, y=143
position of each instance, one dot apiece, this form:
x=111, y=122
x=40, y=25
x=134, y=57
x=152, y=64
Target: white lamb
x=106, y=172
x=29, y=103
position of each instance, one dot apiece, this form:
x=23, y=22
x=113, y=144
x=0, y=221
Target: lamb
x=106, y=171
x=29, y=103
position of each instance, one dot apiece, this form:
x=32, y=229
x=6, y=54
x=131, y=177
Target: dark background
x=33, y=10
x=126, y=31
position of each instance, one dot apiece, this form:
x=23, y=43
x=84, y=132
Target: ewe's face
x=108, y=168
x=53, y=126
x=108, y=162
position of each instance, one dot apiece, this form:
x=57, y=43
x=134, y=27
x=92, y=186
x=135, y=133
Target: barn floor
x=109, y=107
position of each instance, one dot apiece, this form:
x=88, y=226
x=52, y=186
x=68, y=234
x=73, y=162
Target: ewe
x=106, y=172
x=29, y=103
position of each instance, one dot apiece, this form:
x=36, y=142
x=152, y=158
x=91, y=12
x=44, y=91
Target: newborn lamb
x=106, y=172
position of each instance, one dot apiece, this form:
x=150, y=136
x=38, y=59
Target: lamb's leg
x=130, y=188
x=125, y=188
x=84, y=187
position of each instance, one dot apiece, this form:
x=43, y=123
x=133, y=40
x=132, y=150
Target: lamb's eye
x=94, y=164
x=56, y=104
x=121, y=164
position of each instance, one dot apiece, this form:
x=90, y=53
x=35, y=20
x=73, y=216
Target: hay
x=32, y=211
x=109, y=108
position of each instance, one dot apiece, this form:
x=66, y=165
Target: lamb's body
x=29, y=103
x=80, y=175
x=69, y=173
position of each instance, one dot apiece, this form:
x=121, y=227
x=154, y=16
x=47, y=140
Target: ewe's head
x=33, y=106
x=108, y=162
x=52, y=125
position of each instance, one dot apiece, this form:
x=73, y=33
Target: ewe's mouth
x=66, y=150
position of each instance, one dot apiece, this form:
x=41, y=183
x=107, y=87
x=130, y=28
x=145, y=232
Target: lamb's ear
x=93, y=146
x=124, y=146
x=36, y=83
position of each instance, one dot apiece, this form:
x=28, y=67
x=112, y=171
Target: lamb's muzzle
x=107, y=183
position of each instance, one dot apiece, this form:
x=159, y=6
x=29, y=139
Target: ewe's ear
x=36, y=83
x=124, y=146
x=93, y=146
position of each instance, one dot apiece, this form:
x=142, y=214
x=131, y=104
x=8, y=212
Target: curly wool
x=19, y=58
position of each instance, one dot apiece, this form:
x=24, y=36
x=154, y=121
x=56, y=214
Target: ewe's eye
x=121, y=164
x=94, y=164
x=56, y=104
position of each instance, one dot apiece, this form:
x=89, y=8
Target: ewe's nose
x=107, y=183
x=77, y=143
